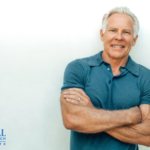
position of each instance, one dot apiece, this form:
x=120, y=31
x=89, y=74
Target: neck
x=115, y=62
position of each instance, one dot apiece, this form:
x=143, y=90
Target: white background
x=38, y=38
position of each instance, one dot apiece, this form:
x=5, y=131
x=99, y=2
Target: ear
x=134, y=40
x=102, y=35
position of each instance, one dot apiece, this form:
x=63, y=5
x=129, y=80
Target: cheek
x=130, y=44
x=129, y=41
x=108, y=37
x=108, y=41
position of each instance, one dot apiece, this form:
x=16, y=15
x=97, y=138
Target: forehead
x=120, y=21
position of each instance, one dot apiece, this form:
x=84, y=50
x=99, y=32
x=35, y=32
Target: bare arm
x=137, y=134
x=88, y=119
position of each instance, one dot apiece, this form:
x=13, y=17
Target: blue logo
x=2, y=138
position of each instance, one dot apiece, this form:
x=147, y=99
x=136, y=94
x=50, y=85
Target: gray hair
x=121, y=10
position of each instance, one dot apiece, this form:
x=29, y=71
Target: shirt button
x=108, y=68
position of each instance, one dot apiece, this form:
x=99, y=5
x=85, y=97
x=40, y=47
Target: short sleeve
x=145, y=99
x=73, y=76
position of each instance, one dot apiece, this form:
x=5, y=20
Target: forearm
x=91, y=120
x=137, y=134
x=134, y=134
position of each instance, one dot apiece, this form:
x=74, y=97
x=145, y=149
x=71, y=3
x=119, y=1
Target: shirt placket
x=110, y=86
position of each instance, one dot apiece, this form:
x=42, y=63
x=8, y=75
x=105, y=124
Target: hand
x=77, y=96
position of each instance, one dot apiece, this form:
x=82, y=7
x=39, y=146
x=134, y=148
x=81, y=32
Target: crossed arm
x=137, y=134
x=131, y=125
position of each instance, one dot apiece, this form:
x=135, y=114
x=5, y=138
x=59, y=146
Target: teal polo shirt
x=128, y=89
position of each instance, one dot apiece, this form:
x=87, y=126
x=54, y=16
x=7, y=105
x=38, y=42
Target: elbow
x=67, y=125
x=68, y=122
x=147, y=144
x=146, y=141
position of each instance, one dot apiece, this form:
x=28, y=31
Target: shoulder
x=76, y=73
x=144, y=72
x=144, y=78
x=84, y=63
x=79, y=69
x=77, y=65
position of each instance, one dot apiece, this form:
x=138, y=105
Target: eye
x=126, y=32
x=113, y=30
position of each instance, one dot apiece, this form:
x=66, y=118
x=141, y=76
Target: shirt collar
x=95, y=60
x=131, y=66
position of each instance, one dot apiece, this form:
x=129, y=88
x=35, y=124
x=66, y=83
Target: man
x=106, y=97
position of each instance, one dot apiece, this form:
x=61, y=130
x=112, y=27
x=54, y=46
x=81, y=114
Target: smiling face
x=118, y=37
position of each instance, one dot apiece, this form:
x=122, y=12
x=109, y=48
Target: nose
x=119, y=36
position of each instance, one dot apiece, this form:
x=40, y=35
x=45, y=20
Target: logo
x=2, y=138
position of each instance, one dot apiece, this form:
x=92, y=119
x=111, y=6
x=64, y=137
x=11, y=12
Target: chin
x=117, y=55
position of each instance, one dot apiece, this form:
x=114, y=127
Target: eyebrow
x=124, y=29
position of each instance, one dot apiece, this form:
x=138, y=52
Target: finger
x=73, y=92
x=74, y=97
x=79, y=90
x=72, y=101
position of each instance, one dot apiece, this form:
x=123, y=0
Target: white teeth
x=117, y=46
